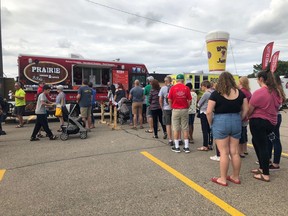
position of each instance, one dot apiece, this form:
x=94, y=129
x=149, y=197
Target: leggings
x=157, y=116
x=260, y=129
x=206, y=130
x=276, y=142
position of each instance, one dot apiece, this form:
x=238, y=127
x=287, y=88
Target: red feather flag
x=274, y=61
x=267, y=52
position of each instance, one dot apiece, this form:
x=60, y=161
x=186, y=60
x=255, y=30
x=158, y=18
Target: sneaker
x=180, y=142
x=273, y=168
x=40, y=135
x=170, y=143
x=155, y=136
x=34, y=139
x=215, y=158
x=186, y=150
x=165, y=136
x=210, y=147
x=53, y=137
x=175, y=149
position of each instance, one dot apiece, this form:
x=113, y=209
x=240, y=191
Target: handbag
x=58, y=112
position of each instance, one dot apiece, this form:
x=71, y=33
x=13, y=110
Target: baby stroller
x=123, y=113
x=74, y=124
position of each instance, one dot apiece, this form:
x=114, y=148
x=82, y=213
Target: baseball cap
x=150, y=78
x=180, y=76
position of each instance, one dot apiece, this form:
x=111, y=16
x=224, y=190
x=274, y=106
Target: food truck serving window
x=98, y=76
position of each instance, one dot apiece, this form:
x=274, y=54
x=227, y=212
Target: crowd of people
x=225, y=109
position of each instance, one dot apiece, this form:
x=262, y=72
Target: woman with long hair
x=230, y=106
x=244, y=87
x=156, y=108
x=275, y=142
x=120, y=93
x=192, y=111
x=263, y=111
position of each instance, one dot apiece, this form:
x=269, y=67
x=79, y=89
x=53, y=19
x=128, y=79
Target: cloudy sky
x=173, y=43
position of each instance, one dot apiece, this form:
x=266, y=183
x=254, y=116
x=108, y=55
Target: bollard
x=114, y=125
x=102, y=121
x=111, y=114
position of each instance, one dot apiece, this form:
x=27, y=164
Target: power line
x=173, y=25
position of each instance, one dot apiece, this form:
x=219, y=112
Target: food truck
x=70, y=72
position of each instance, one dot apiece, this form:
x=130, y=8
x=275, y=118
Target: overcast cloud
x=62, y=27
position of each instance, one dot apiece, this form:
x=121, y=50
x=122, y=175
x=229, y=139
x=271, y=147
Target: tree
x=282, y=69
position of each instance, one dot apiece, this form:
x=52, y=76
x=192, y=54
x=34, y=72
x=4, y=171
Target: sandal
x=233, y=180
x=242, y=155
x=261, y=178
x=203, y=148
x=19, y=126
x=148, y=131
x=256, y=171
x=215, y=180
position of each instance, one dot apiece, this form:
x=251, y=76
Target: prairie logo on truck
x=49, y=72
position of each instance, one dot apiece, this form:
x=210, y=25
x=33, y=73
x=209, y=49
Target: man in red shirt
x=179, y=99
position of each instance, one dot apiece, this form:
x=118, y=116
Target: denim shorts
x=228, y=124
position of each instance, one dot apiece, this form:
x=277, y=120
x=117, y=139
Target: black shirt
x=224, y=105
x=120, y=94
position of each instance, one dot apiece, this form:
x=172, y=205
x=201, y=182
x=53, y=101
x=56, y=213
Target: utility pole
x=1, y=58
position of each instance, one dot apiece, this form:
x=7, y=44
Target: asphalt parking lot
x=127, y=172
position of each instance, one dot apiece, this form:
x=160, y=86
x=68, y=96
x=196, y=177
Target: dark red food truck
x=70, y=73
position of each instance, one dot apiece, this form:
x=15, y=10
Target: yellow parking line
x=283, y=154
x=225, y=206
x=2, y=172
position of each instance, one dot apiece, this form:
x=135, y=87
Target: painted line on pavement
x=282, y=154
x=2, y=172
x=225, y=206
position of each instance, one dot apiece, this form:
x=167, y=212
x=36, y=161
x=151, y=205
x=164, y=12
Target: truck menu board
x=120, y=76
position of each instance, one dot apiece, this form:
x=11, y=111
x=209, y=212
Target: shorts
x=244, y=136
x=137, y=108
x=228, y=124
x=85, y=112
x=191, y=119
x=148, y=112
x=167, y=117
x=180, y=119
x=19, y=110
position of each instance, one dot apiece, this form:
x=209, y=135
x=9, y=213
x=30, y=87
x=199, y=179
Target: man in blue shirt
x=84, y=98
x=93, y=101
